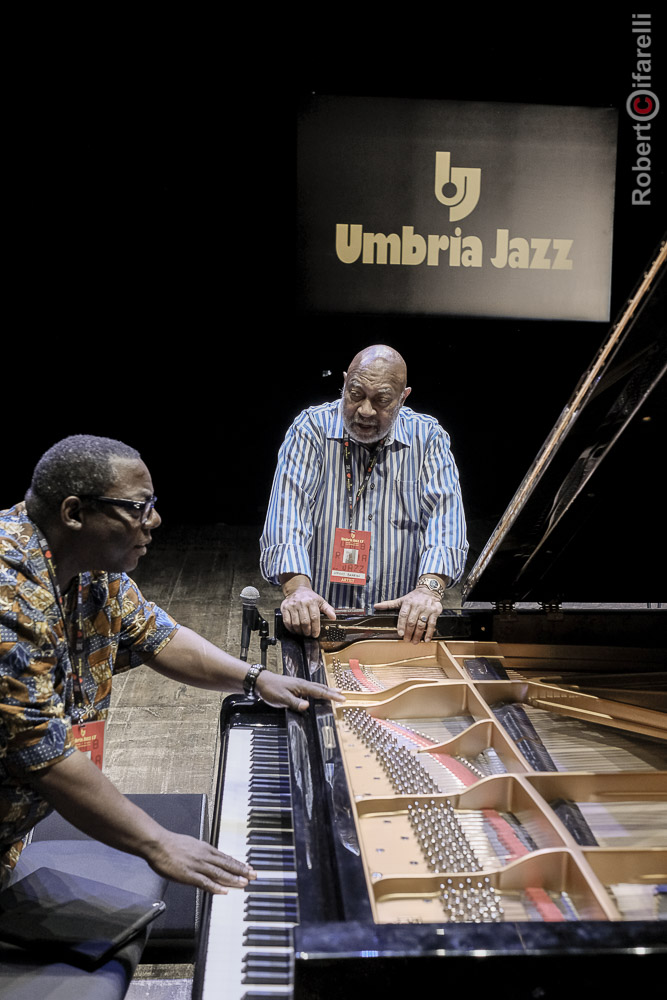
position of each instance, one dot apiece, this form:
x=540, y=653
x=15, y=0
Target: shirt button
x=370, y=517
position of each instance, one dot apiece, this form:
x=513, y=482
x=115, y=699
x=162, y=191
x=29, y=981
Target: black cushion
x=175, y=932
x=28, y=976
x=24, y=977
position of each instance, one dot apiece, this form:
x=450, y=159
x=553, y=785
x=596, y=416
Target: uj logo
x=456, y=187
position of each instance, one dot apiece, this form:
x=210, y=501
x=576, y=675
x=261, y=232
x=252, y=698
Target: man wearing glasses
x=71, y=617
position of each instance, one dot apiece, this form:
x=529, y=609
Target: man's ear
x=406, y=393
x=71, y=510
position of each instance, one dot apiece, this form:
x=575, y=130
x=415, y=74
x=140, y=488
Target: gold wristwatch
x=432, y=584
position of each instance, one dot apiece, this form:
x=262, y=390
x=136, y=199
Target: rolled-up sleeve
x=444, y=544
x=288, y=529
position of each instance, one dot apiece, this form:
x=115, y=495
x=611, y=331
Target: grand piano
x=488, y=811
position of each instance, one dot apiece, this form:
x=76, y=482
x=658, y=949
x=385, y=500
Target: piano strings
x=639, y=902
x=360, y=677
x=552, y=741
x=451, y=840
x=460, y=840
x=632, y=823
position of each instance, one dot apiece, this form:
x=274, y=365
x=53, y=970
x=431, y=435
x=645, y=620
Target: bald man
x=365, y=510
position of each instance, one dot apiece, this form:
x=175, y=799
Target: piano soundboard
x=466, y=799
x=483, y=794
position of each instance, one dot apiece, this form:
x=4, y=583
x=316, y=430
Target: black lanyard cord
x=347, y=459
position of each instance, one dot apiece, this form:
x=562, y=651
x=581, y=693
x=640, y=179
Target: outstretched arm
x=84, y=796
x=191, y=659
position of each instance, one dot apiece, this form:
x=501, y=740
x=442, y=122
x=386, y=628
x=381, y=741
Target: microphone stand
x=254, y=622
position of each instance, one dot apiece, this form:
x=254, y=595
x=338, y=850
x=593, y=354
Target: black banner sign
x=459, y=208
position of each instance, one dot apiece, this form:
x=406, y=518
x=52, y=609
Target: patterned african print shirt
x=411, y=505
x=37, y=704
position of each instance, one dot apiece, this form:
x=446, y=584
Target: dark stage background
x=151, y=287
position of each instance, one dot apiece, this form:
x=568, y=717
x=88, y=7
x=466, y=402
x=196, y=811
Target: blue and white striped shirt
x=411, y=505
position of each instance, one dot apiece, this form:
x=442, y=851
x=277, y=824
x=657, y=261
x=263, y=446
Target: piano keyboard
x=250, y=954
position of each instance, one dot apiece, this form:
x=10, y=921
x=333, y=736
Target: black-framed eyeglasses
x=141, y=507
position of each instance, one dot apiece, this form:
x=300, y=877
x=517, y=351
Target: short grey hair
x=79, y=465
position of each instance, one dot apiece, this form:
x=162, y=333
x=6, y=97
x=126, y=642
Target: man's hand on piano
x=302, y=608
x=195, y=862
x=292, y=692
x=418, y=614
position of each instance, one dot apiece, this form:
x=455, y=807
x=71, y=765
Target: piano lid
x=588, y=522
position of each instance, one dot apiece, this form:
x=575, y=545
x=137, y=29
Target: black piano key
x=276, y=801
x=259, y=910
x=259, y=995
x=271, y=837
x=269, y=786
x=271, y=885
x=266, y=960
x=274, y=916
x=269, y=976
x=275, y=972
x=271, y=859
x=264, y=852
x=269, y=864
x=261, y=770
x=271, y=818
x=267, y=801
x=269, y=902
x=275, y=937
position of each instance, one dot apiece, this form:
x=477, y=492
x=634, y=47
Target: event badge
x=89, y=738
x=351, y=552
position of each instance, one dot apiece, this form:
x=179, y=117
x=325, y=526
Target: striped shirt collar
x=399, y=432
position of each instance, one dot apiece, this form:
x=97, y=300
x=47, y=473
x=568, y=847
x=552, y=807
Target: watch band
x=434, y=585
x=251, y=679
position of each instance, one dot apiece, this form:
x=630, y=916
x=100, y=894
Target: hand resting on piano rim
x=81, y=793
x=418, y=613
x=302, y=609
x=191, y=659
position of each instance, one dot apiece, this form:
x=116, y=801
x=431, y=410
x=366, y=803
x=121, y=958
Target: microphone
x=249, y=598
